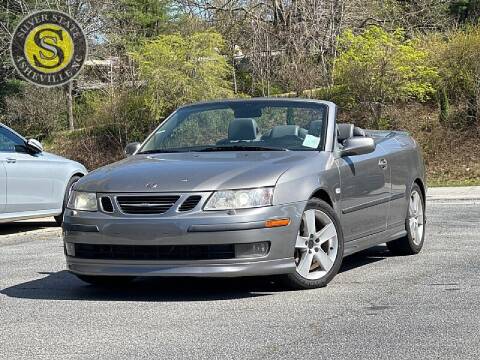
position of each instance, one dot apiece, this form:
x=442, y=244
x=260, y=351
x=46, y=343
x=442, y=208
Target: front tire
x=71, y=182
x=412, y=243
x=318, y=249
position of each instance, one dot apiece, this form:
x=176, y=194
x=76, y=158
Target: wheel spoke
x=416, y=203
x=300, y=244
x=411, y=223
x=420, y=211
x=305, y=264
x=411, y=205
x=310, y=221
x=327, y=233
x=419, y=233
x=414, y=230
x=325, y=262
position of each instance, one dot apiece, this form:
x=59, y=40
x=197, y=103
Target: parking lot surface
x=379, y=307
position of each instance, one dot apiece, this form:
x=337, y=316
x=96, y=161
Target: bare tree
x=289, y=42
x=412, y=16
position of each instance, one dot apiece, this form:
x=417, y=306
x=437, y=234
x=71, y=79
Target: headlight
x=84, y=201
x=240, y=199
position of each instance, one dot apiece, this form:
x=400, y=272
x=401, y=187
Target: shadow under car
x=63, y=285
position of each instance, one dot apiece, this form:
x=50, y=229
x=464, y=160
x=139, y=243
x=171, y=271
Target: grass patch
x=454, y=183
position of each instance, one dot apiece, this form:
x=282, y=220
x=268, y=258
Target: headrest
x=284, y=130
x=315, y=128
x=242, y=129
x=359, y=132
x=344, y=131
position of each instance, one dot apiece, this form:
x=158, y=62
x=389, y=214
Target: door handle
x=11, y=161
x=383, y=163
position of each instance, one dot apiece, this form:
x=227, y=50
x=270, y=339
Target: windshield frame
x=275, y=102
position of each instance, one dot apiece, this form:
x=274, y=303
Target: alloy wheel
x=316, y=247
x=416, y=217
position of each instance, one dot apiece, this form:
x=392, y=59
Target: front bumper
x=194, y=228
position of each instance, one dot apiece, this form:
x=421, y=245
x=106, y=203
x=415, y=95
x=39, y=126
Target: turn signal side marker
x=277, y=223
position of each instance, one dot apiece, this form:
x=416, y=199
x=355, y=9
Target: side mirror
x=358, y=145
x=131, y=148
x=34, y=146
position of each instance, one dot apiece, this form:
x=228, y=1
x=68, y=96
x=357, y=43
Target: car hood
x=50, y=156
x=56, y=158
x=176, y=172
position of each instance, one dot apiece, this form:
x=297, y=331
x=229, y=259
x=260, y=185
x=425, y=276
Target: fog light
x=252, y=249
x=70, y=249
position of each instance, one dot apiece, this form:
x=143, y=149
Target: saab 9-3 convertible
x=246, y=188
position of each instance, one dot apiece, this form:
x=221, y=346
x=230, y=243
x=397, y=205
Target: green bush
x=376, y=68
x=35, y=112
x=9, y=88
x=457, y=58
x=444, y=105
x=123, y=114
x=183, y=69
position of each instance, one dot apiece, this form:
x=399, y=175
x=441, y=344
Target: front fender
x=300, y=182
x=72, y=168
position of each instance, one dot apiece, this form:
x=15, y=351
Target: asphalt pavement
x=380, y=306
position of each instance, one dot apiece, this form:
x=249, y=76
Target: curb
x=463, y=193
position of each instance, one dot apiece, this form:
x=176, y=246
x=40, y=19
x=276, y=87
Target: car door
x=29, y=185
x=3, y=184
x=6, y=148
x=400, y=162
x=365, y=193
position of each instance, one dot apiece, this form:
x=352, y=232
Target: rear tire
x=318, y=250
x=71, y=182
x=105, y=281
x=412, y=243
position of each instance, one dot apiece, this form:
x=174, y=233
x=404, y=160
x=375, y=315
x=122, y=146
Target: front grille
x=190, y=203
x=154, y=252
x=107, y=205
x=146, y=204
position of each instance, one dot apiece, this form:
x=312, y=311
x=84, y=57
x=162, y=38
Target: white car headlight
x=240, y=199
x=84, y=201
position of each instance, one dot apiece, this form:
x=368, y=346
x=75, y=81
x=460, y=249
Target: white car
x=33, y=183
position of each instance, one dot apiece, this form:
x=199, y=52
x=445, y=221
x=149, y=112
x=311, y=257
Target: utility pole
x=69, y=90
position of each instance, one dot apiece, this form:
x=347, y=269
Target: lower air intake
x=154, y=252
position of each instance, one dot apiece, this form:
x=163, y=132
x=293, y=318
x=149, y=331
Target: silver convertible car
x=33, y=183
x=246, y=188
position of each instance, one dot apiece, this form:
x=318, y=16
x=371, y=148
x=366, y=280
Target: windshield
x=242, y=126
